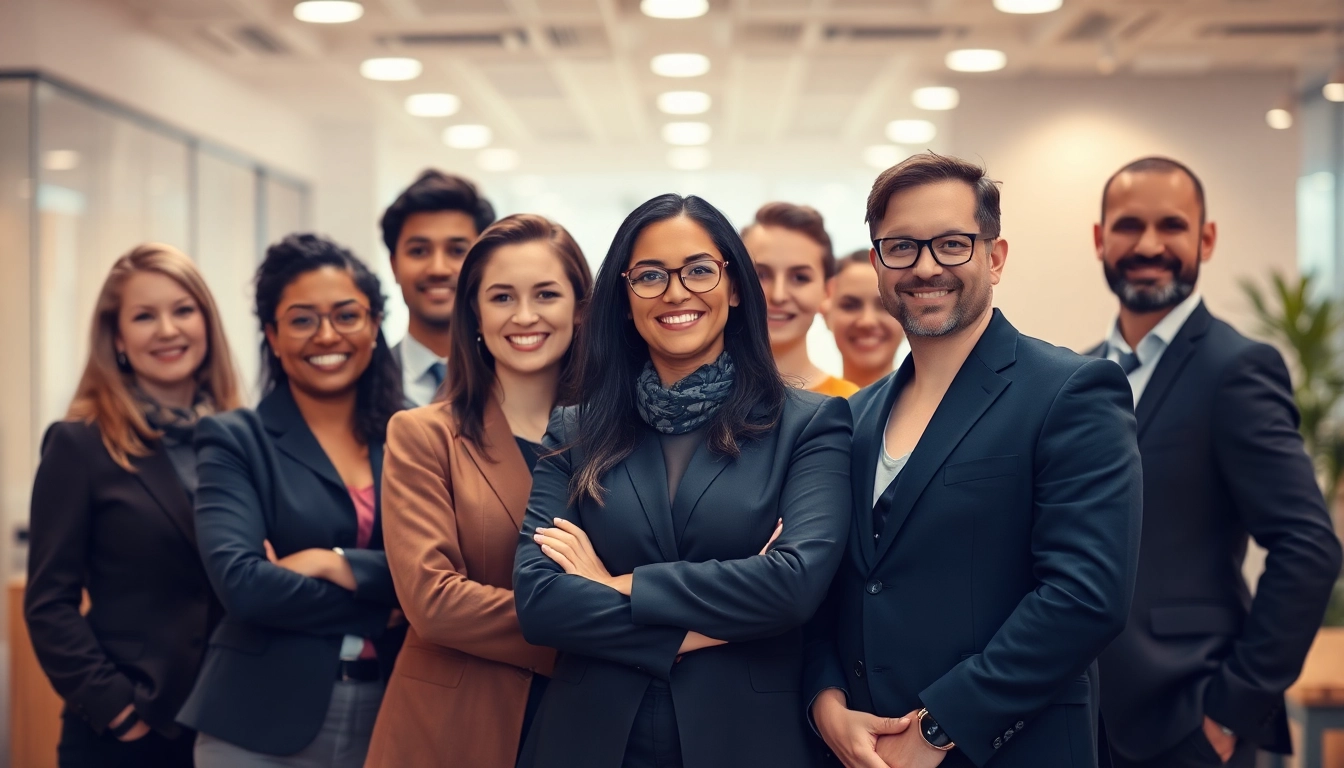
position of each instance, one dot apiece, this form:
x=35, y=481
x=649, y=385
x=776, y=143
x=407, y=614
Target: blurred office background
x=220, y=125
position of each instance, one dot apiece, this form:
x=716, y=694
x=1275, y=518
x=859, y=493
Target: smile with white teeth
x=527, y=340
x=327, y=361
x=681, y=318
x=929, y=294
x=781, y=316
x=172, y=352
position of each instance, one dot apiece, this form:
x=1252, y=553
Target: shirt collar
x=417, y=357
x=1162, y=334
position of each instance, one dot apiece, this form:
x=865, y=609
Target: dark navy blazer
x=1007, y=560
x=271, y=664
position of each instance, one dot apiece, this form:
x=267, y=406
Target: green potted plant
x=1306, y=324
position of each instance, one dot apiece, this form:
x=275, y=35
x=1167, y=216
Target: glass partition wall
x=82, y=181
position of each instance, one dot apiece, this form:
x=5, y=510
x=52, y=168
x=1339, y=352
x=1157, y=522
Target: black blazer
x=126, y=537
x=695, y=567
x=271, y=664
x=1222, y=458
x=1007, y=560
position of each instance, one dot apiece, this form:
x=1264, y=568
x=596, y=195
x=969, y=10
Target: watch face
x=933, y=733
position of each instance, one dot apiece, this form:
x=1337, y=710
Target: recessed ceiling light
x=976, y=60
x=1279, y=119
x=936, y=98
x=1334, y=87
x=911, y=131
x=497, y=160
x=328, y=11
x=883, y=156
x=391, y=68
x=688, y=158
x=1028, y=6
x=433, y=104
x=684, y=102
x=680, y=64
x=674, y=9
x=60, y=160
x=467, y=136
x=686, y=134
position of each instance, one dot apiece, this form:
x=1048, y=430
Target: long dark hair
x=471, y=367
x=612, y=353
x=378, y=391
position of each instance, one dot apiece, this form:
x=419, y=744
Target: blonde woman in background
x=112, y=514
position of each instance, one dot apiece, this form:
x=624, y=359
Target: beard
x=433, y=319
x=1142, y=298
x=970, y=305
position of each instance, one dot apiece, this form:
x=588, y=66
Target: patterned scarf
x=688, y=404
x=176, y=424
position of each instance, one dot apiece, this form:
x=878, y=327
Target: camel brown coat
x=451, y=516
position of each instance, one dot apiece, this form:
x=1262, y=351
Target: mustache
x=944, y=282
x=1134, y=261
x=436, y=281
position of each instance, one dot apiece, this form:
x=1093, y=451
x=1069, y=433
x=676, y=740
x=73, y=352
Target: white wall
x=1054, y=142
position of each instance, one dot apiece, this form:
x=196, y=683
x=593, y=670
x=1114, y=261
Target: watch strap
x=125, y=726
x=941, y=741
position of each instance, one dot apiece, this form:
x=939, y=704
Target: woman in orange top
x=793, y=258
x=455, y=487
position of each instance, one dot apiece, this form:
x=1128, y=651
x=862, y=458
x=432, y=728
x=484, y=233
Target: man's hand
x=909, y=749
x=137, y=732
x=1223, y=743
x=853, y=736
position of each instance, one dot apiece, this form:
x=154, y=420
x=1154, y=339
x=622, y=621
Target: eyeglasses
x=947, y=250
x=301, y=324
x=697, y=277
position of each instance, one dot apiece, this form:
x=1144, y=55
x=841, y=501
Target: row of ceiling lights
x=686, y=137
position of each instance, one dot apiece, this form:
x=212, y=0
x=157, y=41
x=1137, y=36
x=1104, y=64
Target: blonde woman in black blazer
x=115, y=484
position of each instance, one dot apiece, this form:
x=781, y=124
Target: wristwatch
x=933, y=734
x=125, y=726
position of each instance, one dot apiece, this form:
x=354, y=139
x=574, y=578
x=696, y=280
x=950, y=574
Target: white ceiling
x=572, y=76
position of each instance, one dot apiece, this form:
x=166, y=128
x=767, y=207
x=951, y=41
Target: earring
x=123, y=362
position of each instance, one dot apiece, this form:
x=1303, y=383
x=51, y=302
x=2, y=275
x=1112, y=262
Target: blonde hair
x=104, y=397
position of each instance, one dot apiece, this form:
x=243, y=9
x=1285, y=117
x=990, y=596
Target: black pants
x=1194, y=751
x=654, y=739
x=81, y=747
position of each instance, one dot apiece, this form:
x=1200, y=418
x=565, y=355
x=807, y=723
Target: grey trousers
x=342, y=742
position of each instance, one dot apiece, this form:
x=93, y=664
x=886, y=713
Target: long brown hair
x=471, y=367
x=104, y=393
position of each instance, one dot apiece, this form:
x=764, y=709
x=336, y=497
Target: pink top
x=364, y=514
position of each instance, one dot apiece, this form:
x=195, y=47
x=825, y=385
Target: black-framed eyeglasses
x=950, y=250
x=301, y=323
x=650, y=282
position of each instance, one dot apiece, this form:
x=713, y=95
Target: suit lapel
x=376, y=466
x=155, y=472
x=976, y=386
x=648, y=474
x=703, y=470
x=1169, y=367
x=869, y=428
x=507, y=474
x=280, y=414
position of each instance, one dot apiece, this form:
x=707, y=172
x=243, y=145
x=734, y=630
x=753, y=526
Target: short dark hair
x=857, y=258
x=612, y=353
x=378, y=392
x=471, y=367
x=931, y=168
x=434, y=191
x=1157, y=164
x=803, y=219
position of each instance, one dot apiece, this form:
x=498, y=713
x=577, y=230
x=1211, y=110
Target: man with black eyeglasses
x=996, y=511
x=1197, y=678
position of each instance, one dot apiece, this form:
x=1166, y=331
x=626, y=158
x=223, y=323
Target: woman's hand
x=570, y=548
x=779, y=528
x=138, y=731
x=315, y=563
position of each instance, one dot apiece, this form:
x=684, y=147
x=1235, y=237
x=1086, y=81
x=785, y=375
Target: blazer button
x=1008, y=734
x=858, y=669
x=998, y=743
x=1020, y=725
x=874, y=587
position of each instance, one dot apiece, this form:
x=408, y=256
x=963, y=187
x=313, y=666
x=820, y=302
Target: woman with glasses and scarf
x=111, y=515
x=287, y=518
x=641, y=555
